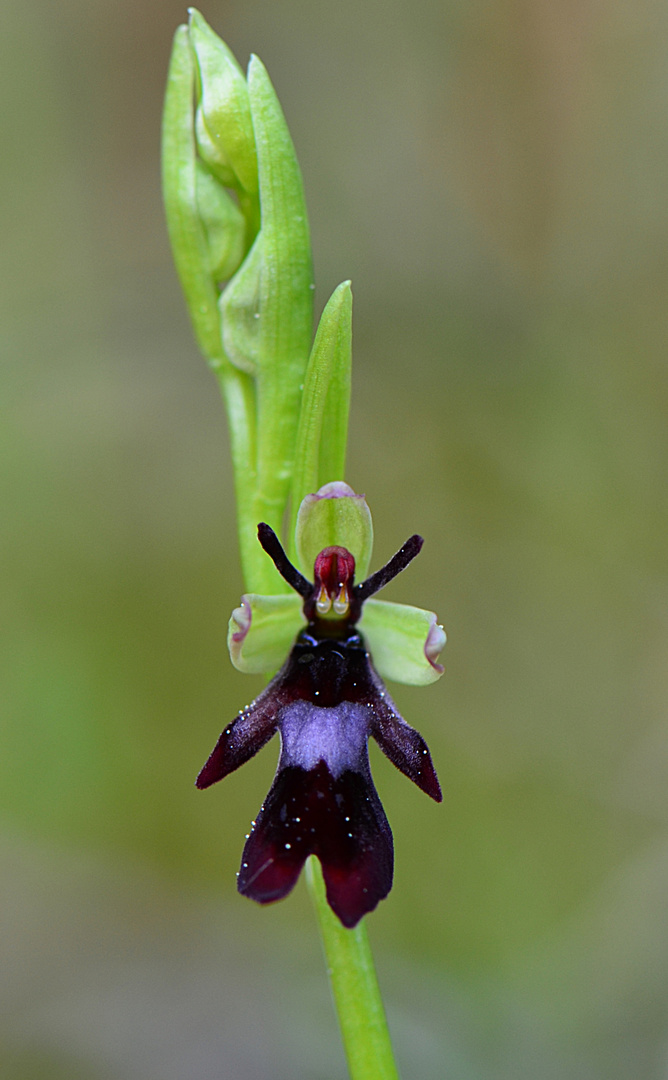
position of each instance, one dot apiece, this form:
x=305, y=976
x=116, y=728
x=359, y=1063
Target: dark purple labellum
x=326, y=701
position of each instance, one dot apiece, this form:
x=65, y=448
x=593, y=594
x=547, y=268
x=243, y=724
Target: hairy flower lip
x=323, y=800
x=326, y=701
x=336, y=735
x=338, y=819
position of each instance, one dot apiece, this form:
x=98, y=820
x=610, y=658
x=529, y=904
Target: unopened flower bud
x=224, y=225
x=223, y=124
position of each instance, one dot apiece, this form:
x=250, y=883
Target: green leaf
x=334, y=516
x=404, y=641
x=323, y=420
x=262, y=630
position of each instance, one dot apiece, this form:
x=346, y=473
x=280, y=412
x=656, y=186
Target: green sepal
x=224, y=128
x=404, y=641
x=334, y=516
x=262, y=630
x=224, y=225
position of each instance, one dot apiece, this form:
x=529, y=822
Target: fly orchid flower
x=326, y=700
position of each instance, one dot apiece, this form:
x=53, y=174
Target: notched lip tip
x=350, y=924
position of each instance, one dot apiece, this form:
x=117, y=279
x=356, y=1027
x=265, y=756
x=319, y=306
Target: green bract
x=323, y=422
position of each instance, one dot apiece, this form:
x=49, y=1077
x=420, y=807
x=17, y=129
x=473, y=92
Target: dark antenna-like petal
x=397, y=563
x=272, y=545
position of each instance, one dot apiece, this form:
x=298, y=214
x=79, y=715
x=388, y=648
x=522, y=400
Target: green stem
x=364, y=1032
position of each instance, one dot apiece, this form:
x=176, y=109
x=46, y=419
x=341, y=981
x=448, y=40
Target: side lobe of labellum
x=338, y=819
x=402, y=744
x=241, y=740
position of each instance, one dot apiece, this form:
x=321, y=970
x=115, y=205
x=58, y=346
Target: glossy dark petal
x=248, y=733
x=340, y=820
x=403, y=745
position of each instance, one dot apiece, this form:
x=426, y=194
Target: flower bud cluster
x=238, y=226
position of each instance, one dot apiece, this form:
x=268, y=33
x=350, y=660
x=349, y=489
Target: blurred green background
x=493, y=177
